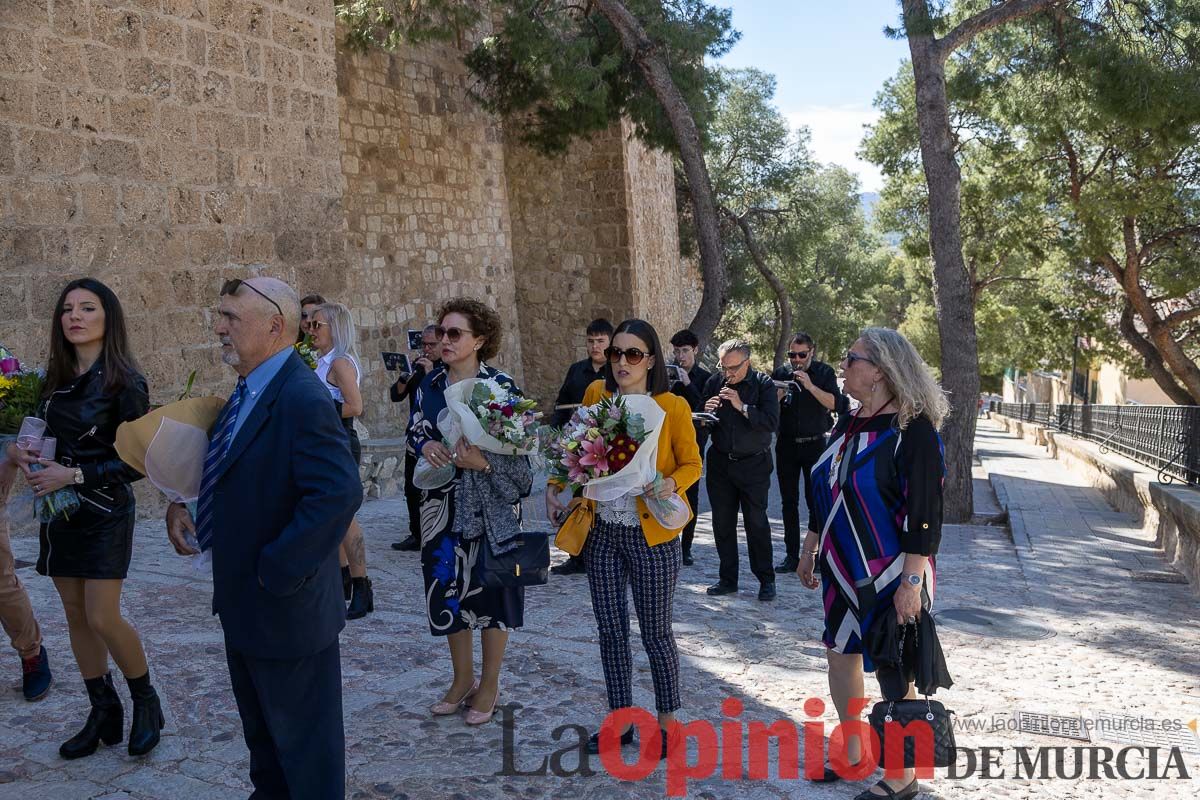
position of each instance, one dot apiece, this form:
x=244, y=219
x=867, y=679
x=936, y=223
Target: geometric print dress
x=881, y=499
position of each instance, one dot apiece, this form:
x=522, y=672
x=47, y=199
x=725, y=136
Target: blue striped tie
x=218, y=446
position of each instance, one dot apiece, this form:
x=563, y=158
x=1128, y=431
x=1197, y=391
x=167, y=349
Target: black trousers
x=292, y=719
x=793, y=463
x=412, y=496
x=741, y=485
x=689, y=530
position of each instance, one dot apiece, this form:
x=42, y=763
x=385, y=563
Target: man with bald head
x=278, y=493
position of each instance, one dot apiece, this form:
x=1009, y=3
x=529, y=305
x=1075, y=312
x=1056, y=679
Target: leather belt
x=807, y=439
x=743, y=458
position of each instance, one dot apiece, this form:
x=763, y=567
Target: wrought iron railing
x=1166, y=438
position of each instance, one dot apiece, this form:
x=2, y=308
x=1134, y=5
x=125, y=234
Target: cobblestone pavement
x=1119, y=646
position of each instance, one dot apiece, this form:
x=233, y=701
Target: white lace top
x=622, y=511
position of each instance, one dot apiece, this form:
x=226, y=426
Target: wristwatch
x=913, y=580
x=79, y=476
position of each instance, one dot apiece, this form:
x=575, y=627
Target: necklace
x=851, y=432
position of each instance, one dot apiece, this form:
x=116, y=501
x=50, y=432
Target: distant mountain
x=868, y=200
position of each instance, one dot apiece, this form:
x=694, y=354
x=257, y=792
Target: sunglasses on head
x=798, y=354
x=453, y=334
x=230, y=288
x=632, y=356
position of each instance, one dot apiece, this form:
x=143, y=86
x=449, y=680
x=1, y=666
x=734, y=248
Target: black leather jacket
x=84, y=420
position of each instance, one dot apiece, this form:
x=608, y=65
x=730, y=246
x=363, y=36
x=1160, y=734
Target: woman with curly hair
x=456, y=602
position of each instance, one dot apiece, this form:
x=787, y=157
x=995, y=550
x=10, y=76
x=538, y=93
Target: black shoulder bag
x=528, y=564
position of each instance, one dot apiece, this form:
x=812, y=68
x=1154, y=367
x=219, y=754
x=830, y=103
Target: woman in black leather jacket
x=92, y=386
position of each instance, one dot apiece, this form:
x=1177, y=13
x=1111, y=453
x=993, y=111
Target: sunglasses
x=734, y=368
x=632, y=356
x=453, y=334
x=231, y=287
x=799, y=355
x=851, y=357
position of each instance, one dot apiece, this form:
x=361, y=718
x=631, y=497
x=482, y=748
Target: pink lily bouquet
x=599, y=441
x=610, y=450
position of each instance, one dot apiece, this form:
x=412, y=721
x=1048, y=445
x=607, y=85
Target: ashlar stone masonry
x=164, y=146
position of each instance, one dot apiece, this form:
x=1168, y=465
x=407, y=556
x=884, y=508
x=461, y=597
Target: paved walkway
x=1121, y=647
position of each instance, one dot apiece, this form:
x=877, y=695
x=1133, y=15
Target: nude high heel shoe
x=443, y=708
x=482, y=717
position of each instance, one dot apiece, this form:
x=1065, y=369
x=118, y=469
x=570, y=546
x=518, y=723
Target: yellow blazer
x=678, y=455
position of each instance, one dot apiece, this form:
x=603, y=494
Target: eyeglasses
x=632, y=356
x=852, y=356
x=231, y=287
x=313, y=324
x=799, y=355
x=734, y=368
x=453, y=334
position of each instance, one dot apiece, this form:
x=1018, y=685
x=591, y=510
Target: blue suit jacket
x=284, y=499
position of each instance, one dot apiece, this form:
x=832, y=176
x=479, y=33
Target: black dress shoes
x=789, y=564
x=628, y=738
x=411, y=544
x=688, y=560
x=572, y=566
x=766, y=591
x=720, y=588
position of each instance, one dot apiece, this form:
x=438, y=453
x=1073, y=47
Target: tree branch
x=1177, y=318
x=1168, y=236
x=984, y=21
x=1152, y=359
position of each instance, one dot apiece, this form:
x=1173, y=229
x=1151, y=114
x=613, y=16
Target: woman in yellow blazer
x=627, y=546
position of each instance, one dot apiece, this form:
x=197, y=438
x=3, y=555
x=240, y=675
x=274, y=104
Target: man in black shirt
x=580, y=376
x=812, y=394
x=404, y=389
x=739, y=465
x=692, y=380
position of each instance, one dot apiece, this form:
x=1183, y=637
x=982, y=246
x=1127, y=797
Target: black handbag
x=915, y=720
x=929, y=720
x=528, y=564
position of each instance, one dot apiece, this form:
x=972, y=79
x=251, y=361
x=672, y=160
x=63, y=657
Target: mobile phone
x=414, y=340
x=674, y=372
x=396, y=361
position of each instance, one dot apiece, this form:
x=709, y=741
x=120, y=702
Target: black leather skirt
x=96, y=542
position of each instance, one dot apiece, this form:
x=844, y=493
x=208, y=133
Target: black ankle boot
x=147, y=716
x=363, y=600
x=104, y=724
x=346, y=583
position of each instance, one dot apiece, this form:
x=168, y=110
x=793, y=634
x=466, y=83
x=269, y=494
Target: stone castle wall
x=426, y=208
x=164, y=146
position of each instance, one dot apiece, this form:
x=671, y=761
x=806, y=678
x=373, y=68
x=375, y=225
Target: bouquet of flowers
x=597, y=442
x=609, y=450
x=491, y=417
x=20, y=392
x=308, y=351
x=494, y=418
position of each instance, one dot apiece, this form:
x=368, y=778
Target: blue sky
x=829, y=59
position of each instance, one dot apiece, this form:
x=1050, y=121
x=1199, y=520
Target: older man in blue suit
x=278, y=493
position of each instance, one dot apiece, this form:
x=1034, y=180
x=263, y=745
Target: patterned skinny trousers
x=618, y=556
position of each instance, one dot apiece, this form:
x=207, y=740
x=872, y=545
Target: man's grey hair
x=281, y=293
x=734, y=346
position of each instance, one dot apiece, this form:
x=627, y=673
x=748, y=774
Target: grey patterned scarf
x=486, y=504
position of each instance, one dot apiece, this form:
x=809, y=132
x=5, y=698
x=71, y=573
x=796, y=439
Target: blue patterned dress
x=881, y=499
x=454, y=598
